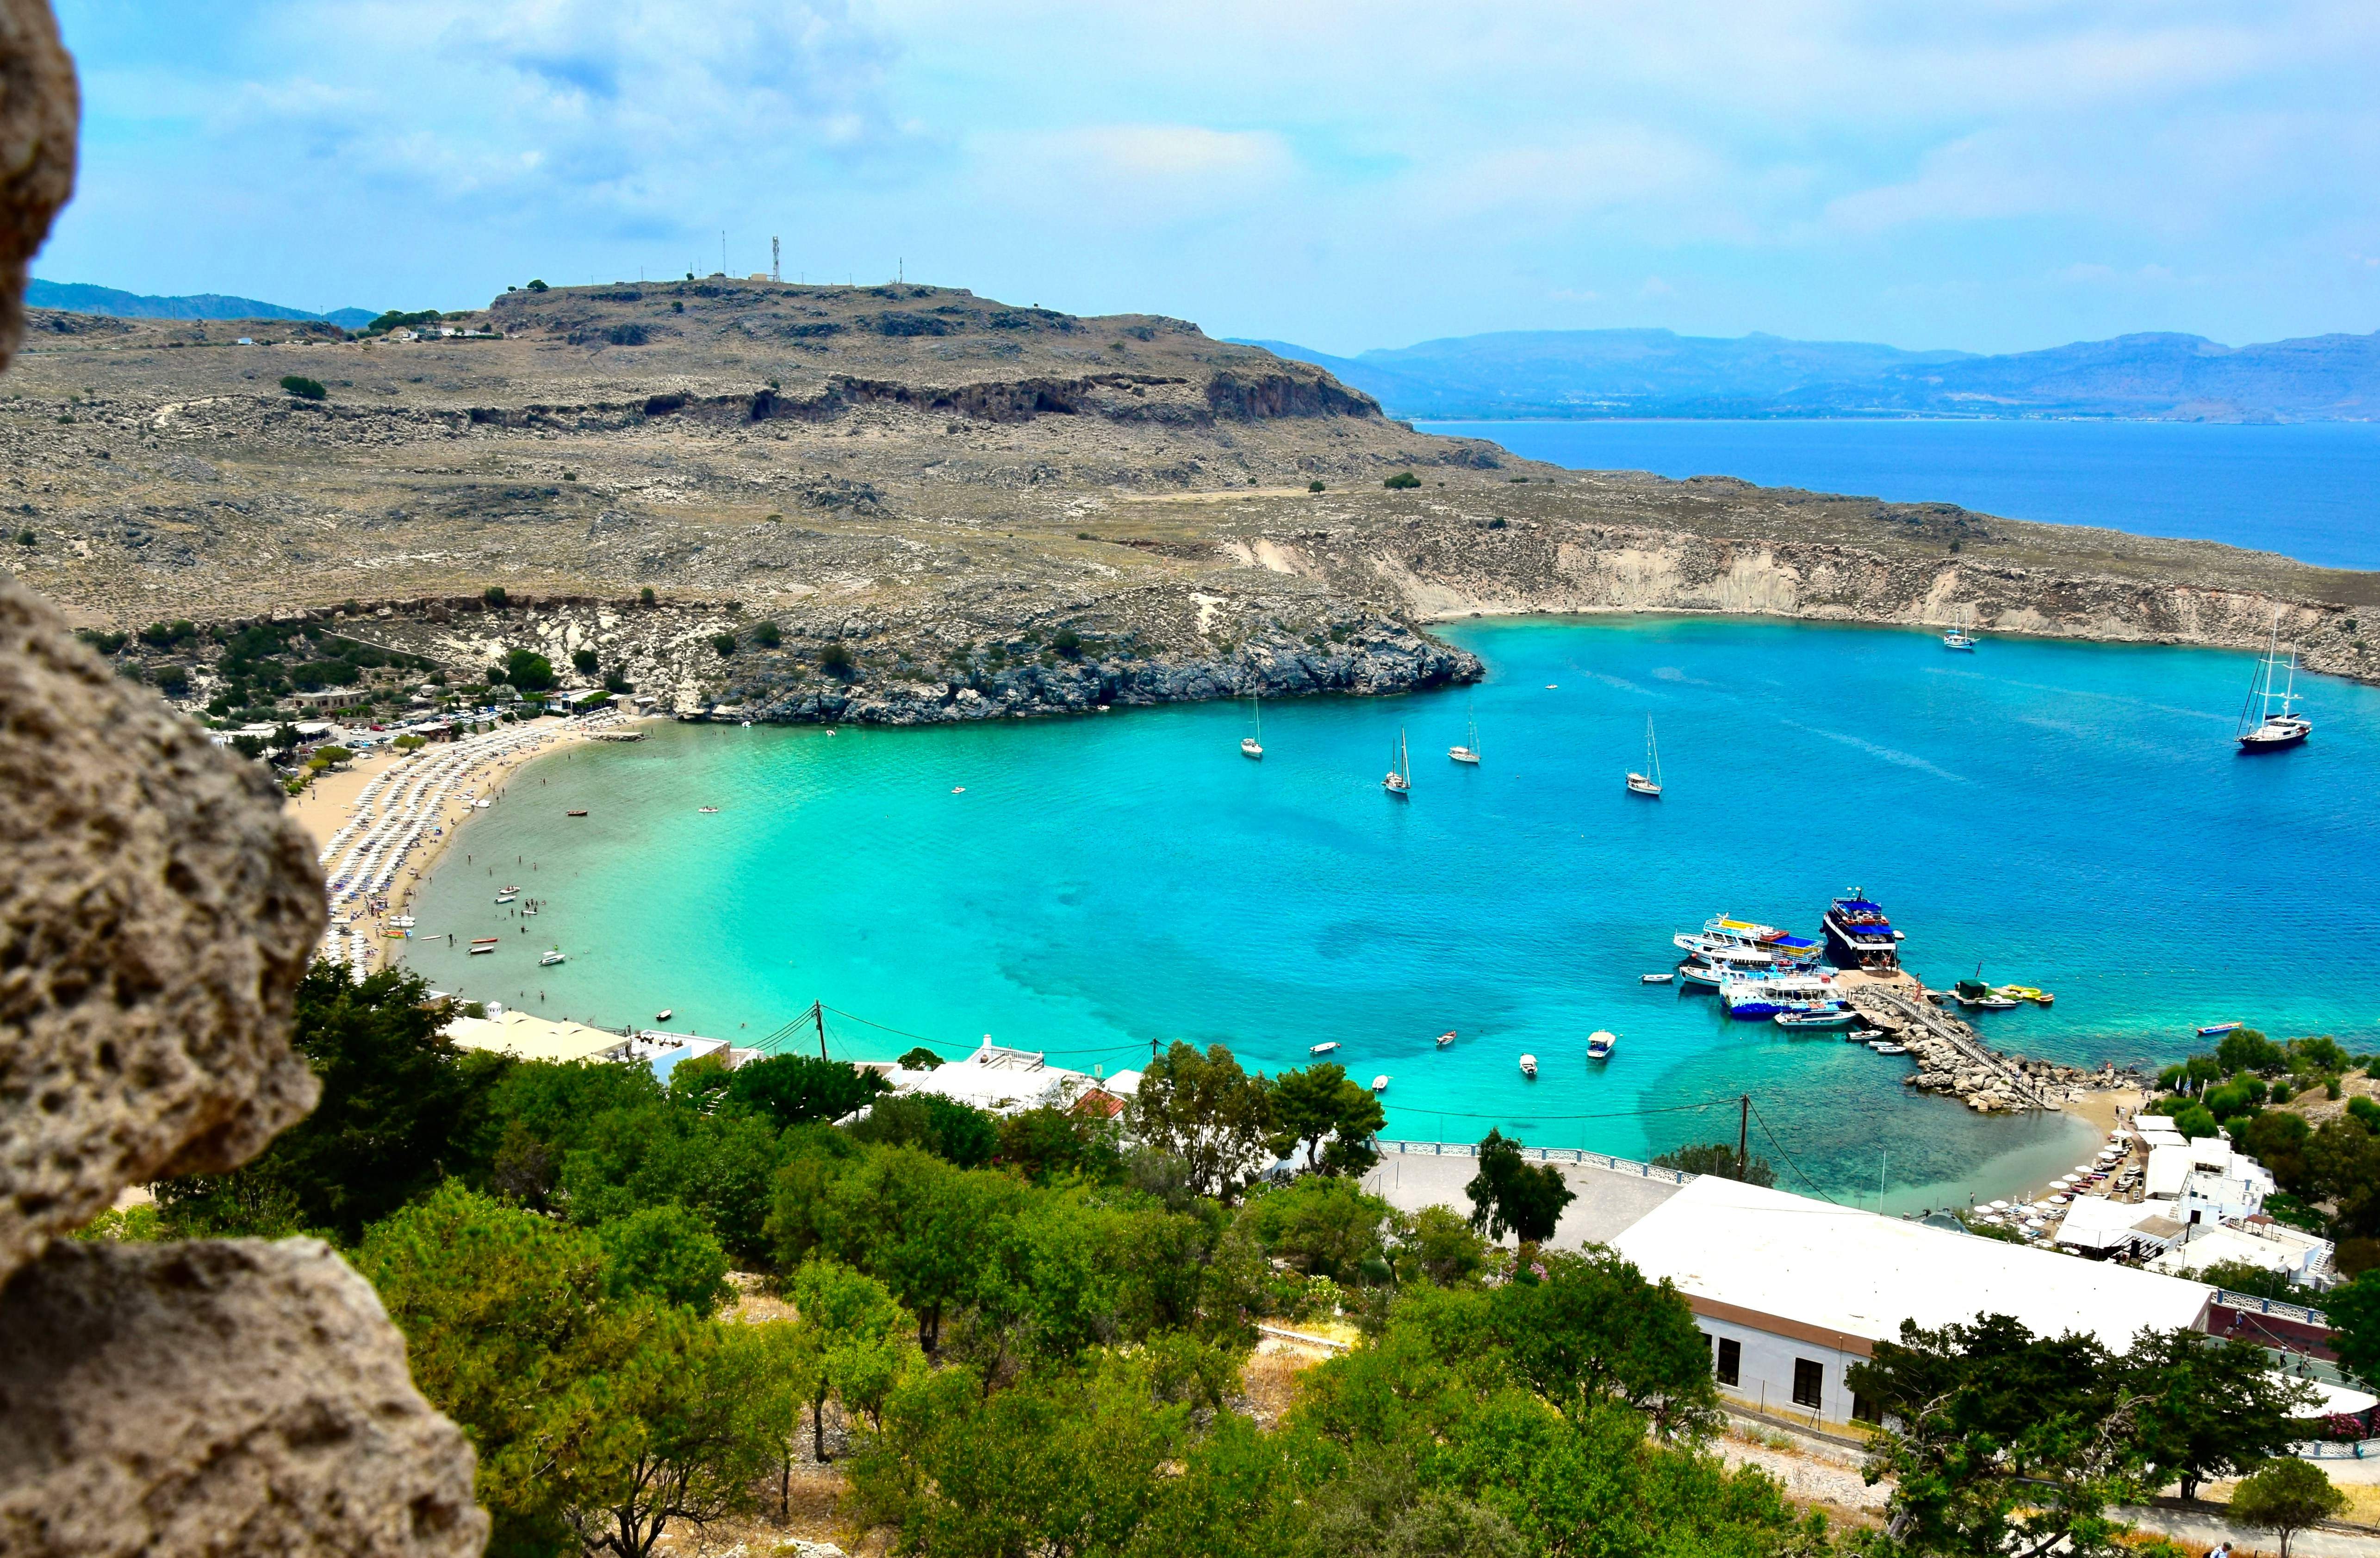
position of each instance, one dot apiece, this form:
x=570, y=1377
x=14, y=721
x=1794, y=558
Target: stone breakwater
x=1953, y=1059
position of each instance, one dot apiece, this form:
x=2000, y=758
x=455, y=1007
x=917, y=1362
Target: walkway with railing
x=1544, y=1155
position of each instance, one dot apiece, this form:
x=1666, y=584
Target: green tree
x=398, y=1111
x=859, y=1337
x=1323, y=1225
x=2277, y=1139
x=1437, y=1244
x=948, y=1129
x=920, y=1226
x=791, y=1090
x=668, y=1253
x=2284, y=1498
x=495, y=596
x=2203, y=1408
x=724, y=643
x=1404, y=480
x=1207, y=1114
x=2343, y=1167
x=1593, y=1329
x=584, y=661
x=2354, y=1313
x=834, y=659
x=303, y=387
x=1048, y=1143
x=767, y=634
x=529, y=670
x=1719, y=1158
x=1509, y=1196
x=2245, y=1048
x=2000, y=1442
x=1320, y=1104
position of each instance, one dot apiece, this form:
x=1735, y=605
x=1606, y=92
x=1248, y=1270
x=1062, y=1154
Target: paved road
x=1608, y=1202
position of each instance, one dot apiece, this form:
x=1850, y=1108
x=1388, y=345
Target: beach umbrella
x=1999, y=1206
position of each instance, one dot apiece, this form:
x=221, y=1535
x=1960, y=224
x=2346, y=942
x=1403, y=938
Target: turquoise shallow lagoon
x=2068, y=815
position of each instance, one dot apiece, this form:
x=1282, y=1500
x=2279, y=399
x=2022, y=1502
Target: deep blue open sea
x=2309, y=490
x=2067, y=815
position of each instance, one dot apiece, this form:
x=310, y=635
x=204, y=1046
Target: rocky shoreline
x=1952, y=1059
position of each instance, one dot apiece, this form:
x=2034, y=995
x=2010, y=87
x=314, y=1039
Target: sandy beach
x=329, y=805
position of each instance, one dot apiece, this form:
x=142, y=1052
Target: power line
x=1789, y=1157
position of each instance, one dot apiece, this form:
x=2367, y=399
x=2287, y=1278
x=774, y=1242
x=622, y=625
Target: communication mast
x=776, y=271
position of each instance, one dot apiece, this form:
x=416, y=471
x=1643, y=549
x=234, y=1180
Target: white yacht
x=1253, y=746
x=1398, y=782
x=2272, y=732
x=1469, y=751
x=1648, y=783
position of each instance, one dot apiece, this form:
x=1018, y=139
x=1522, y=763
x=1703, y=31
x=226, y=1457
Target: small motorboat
x=663, y=1016
x=2216, y=1029
x=549, y=959
x=1529, y=1066
x=958, y=789
x=1657, y=978
x=707, y=810
x=1322, y=1049
x=504, y=897
x=580, y=812
x=1862, y=1035
x=484, y=944
x=1816, y=1019
x=1600, y=1044
x=1380, y=1083
x=528, y=909
x=1446, y=1038
x=1889, y=1049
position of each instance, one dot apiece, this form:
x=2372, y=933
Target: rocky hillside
x=907, y=503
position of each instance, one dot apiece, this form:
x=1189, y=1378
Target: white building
x=2303, y=1257
x=1005, y=1082
x=1793, y=1292
x=2122, y=1230
x=2205, y=1180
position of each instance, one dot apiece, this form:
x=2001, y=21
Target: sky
x=1989, y=174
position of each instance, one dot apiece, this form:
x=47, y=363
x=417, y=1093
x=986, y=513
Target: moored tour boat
x=1859, y=936
x=1600, y=1044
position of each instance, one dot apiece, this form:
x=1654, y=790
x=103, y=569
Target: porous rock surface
x=229, y=1397
x=40, y=107
x=156, y=910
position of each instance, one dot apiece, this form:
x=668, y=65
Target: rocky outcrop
x=232, y=1397
x=157, y=911
x=40, y=108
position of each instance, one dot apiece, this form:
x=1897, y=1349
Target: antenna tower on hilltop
x=776, y=271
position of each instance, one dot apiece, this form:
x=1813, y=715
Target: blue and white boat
x=1859, y=935
x=1755, y=1000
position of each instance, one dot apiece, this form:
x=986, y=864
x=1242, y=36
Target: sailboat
x=1469, y=751
x=2271, y=731
x=1398, y=782
x=1648, y=784
x=1253, y=746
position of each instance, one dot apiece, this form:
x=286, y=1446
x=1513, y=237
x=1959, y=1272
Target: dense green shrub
x=303, y=387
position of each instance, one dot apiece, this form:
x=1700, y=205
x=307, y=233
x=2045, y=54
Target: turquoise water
x=2310, y=490
x=2072, y=816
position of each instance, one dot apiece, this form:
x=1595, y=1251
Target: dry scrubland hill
x=991, y=508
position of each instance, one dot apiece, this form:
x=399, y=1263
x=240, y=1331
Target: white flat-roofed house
x=2303, y=1257
x=995, y=1079
x=2207, y=1181
x=2168, y=1170
x=1793, y=1292
x=2121, y=1230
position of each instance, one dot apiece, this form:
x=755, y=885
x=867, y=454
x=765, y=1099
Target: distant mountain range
x=1592, y=374
x=80, y=298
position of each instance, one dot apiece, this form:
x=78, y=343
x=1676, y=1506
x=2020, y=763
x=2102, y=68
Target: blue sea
x=2065, y=815
x=2309, y=490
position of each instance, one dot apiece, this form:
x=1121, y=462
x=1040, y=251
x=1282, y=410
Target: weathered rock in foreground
x=232, y=1397
x=156, y=910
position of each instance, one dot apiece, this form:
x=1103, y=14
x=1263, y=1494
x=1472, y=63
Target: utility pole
x=722, y=252
x=776, y=271
x=818, y=1011
x=1742, y=1132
